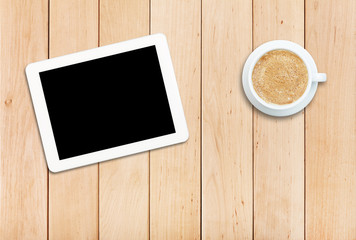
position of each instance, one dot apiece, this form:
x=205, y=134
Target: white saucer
x=274, y=112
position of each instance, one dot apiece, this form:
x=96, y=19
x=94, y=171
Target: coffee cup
x=286, y=109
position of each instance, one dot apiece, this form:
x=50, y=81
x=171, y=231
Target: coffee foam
x=280, y=77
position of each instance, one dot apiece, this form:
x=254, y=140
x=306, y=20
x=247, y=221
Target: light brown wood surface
x=331, y=122
x=241, y=174
x=227, y=117
x=278, y=142
x=23, y=171
x=124, y=183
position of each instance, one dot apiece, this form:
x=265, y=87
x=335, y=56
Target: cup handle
x=320, y=77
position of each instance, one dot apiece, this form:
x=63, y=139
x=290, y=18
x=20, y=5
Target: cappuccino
x=280, y=77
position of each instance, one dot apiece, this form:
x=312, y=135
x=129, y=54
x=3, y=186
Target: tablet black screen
x=107, y=102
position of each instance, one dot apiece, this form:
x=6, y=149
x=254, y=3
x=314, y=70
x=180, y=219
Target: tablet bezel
x=44, y=123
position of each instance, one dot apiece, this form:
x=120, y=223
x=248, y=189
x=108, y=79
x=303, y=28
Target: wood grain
x=278, y=142
x=124, y=183
x=331, y=122
x=175, y=171
x=73, y=195
x=227, y=117
x=23, y=170
x=242, y=159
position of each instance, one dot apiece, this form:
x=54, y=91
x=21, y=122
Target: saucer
x=274, y=112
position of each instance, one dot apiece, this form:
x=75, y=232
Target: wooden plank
x=23, y=170
x=124, y=183
x=73, y=195
x=227, y=121
x=331, y=122
x=175, y=171
x=278, y=142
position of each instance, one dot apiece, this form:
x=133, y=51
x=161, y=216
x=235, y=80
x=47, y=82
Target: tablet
x=106, y=102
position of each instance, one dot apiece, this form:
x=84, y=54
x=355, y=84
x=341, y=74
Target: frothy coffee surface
x=280, y=77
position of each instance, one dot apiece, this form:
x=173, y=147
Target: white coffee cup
x=288, y=109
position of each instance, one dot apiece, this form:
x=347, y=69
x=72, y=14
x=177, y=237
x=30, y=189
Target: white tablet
x=107, y=102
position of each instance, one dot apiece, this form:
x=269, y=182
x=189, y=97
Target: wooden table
x=241, y=175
